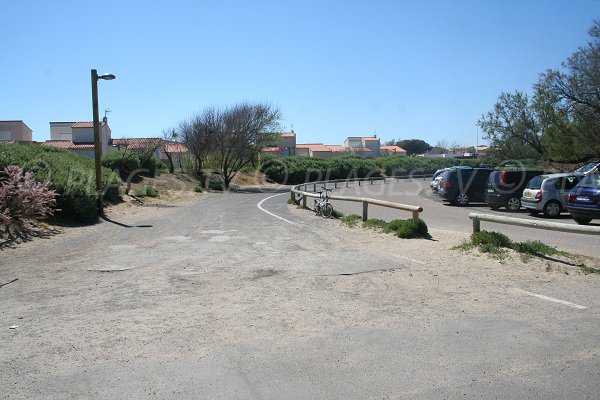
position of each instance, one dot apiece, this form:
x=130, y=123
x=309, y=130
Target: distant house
x=314, y=150
x=61, y=130
x=389, y=150
x=161, y=147
x=369, y=146
x=79, y=137
x=15, y=131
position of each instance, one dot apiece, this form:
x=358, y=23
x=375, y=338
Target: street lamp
x=97, y=148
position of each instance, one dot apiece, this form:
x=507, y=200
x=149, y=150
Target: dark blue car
x=584, y=199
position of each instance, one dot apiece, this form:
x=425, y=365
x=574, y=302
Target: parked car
x=549, y=193
x=505, y=188
x=463, y=185
x=589, y=168
x=437, y=177
x=584, y=199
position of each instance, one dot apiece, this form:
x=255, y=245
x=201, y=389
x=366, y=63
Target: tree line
x=560, y=121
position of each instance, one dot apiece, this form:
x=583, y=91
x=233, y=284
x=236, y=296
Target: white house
x=15, y=131
x=79, y=137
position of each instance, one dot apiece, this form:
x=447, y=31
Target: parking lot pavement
x=218, y=299
x=439, y=214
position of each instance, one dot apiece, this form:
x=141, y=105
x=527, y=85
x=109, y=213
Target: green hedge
x=297, y=169
x=72, y=176
x=400, y=165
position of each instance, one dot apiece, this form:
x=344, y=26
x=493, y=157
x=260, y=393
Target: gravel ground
x=213, y=298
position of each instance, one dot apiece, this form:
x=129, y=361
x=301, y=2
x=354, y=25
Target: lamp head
x=107, y=77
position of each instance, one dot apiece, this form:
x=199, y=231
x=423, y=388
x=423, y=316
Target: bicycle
x=322, y=204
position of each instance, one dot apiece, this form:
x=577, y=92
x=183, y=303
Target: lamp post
x=97, y=145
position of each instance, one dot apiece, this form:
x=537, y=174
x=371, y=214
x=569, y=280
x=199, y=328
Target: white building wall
x=61, y=131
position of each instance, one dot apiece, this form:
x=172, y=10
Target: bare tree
x=169, y=136
x=198, y=135
x=244, y=130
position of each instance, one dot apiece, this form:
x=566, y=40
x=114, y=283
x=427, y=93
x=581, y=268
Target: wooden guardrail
x=551, y=226
x=415, y=210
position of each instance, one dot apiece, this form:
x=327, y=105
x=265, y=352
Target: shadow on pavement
x=125, y=225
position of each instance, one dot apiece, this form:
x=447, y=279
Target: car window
x=559, y=183
x=536, y=182
x=590, y=181
x=571, y=182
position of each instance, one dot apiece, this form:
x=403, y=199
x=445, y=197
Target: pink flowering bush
x=22, y=198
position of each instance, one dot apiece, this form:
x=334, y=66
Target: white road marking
x=541, y=296
x=259, y=205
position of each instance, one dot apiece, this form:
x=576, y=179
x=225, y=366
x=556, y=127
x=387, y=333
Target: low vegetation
x=71, y=176
x=297, y=169
x=22, y=199
x=146, y=191
x=127, y=162
x=402, y=228
x=498, y=245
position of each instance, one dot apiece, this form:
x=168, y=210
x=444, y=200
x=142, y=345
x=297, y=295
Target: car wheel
x=582, y=220
x=552, y=209
x=462, y=199
x=513, y=204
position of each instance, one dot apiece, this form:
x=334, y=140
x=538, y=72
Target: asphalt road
x=223, y=299
x=439, y=214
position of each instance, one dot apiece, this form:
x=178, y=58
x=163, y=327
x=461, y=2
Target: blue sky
x=402, y=69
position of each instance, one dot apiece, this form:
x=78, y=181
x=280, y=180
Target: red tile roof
x=175, y=148
x=370, y=138
x=66, y=144
x=86, y=124
x=393, y=149
x=336, y=148
x=288, y=134
x=137, y=143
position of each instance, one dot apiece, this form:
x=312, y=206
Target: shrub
x=407, y=228
x=22, y=198
x=198, y=189
x=127, y=162
x=486, y=238
x=70, y=175
x=124, y=161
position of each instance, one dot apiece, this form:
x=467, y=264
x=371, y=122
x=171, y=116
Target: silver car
x=549, y=193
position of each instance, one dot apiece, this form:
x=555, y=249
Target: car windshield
x=536, y=182
x=590, y=181
x=587, y=167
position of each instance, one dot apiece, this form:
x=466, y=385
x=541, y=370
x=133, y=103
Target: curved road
x=221, y=298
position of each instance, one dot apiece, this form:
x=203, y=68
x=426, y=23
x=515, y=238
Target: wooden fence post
x=365, y=210
x=476, y=225
x=415, y=217
x=304, y=201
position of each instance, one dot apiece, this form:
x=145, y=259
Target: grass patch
x=589, y=270
x=351, y=220
x=337, y=214
x=374, y=224
x=497, y=245
x=198, y=188
x=293, y=202
x=146, y=191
